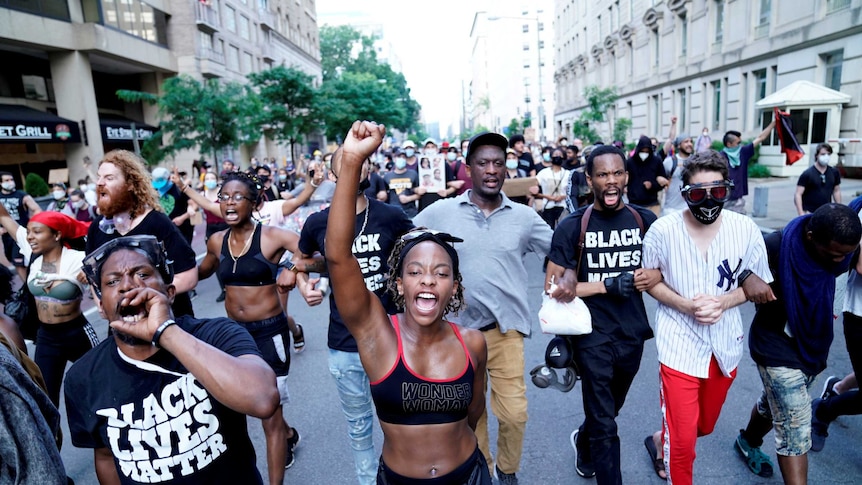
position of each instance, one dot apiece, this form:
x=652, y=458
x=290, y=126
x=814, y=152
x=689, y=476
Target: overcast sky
x=432, y=40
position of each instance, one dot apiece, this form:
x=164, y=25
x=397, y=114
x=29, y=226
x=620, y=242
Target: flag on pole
x=789, y=146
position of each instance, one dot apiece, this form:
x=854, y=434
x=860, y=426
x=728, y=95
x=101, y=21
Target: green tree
x=598, y=102
x=621, y=128
x=514, y=127
x=35, y=185
x=287, y=100
x=346, y=53
x=208, y=115
x=360, y=96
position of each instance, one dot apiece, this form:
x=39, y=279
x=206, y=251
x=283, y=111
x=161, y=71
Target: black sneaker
x=819, y=429
x=829, y=387
x=506, y=478
x=292, y=443
x=582, y=467
x=221, y=297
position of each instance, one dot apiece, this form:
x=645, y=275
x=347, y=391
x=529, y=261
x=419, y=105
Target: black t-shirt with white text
x=386, y=223
x=157, y=420
x=613, y=245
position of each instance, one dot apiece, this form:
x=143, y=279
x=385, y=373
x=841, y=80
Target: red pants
x=690, y=408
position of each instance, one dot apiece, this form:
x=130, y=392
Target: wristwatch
x=288, y=264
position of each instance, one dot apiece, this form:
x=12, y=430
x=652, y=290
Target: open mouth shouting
x=611, y=196
x=426, y=301
x=131, y=313
x=231, y=215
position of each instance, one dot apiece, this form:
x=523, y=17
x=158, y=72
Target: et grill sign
x=38, y=132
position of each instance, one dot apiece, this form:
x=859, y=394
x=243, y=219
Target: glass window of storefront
x=57, y=9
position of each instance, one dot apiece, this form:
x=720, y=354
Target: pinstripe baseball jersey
x=683, y=344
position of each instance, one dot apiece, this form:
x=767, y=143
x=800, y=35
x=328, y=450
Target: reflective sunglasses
x=717, y=191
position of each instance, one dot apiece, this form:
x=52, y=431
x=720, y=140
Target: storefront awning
x=20, y=124
x=119, y=129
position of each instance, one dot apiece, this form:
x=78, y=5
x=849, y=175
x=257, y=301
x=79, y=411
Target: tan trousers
x=505, y=370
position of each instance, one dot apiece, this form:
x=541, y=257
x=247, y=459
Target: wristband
x=743, y=276
x=159, y=331
x=314, y=185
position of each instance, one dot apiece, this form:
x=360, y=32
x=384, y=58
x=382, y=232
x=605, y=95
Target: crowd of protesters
x=423, y=246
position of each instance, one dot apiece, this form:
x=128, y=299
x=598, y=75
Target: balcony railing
x=206, y=17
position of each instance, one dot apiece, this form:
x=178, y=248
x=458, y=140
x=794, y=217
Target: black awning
x=20, y=124
x=119, y=129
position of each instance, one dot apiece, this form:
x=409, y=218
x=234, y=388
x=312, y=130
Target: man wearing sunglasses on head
x=704, y=254
x=819, y=184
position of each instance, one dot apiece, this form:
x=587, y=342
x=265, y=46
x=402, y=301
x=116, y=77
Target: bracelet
x=160, y=331
x=743, y=276
x=313, y=185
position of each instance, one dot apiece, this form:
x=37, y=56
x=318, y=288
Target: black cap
x=486, y=138
x=558, y=354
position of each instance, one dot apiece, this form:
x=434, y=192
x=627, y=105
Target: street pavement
x=324, y=457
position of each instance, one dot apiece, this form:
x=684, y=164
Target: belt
x=490, y=326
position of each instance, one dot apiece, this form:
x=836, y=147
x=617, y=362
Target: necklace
x=244, y=249
x=365, y=222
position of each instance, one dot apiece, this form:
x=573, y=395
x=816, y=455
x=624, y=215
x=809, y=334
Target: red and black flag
x=789, y=146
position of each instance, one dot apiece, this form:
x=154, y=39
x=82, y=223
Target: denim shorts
x=786, y=400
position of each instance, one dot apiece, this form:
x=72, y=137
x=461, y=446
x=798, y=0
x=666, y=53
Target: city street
x=324, y=456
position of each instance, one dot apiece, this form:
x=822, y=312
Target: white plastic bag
x=558, y=318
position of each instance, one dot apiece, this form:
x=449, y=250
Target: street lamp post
x=541, y=101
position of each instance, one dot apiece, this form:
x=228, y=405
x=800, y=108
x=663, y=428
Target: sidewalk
x=780, y=208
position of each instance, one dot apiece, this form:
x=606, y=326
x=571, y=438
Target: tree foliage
x=287, y=100
x=598, y=102
x=356, y=85
x=208, y=115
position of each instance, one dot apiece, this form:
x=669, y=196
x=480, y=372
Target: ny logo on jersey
x=725, y=273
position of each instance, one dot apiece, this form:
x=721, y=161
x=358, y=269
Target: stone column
x=76, y=100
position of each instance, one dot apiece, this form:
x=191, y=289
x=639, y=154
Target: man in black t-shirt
x=21, y=206
x=127, y=203
x=164, y=401
x=525, y=158
x=819, y=184
x=791, y=336
x=610, y=280
x=378, y=226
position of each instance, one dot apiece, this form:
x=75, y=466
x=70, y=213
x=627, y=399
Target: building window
x=58, y=9
x=526, y=28
x=716, y=104
x=136, y=18
x=683, y=41
x=719, y=21
x=526, y=46
x=656, y=48
x=762, y=28
x=206, y=41
x=760, y=84
x=243, y=27
x=230, y=18
x=233, y=58
x=246, y=63
x=683, y=109
x=834, y=5
x=656, y=113
x=599, y=23
x=833, y=62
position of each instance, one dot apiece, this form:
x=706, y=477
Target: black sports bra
x=250, y=269
x=404, y=397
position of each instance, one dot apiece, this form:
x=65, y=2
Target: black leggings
x=58, y=343
x=849, y=402
x=474, y=471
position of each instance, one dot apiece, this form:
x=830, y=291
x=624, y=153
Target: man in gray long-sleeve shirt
x=497, y=234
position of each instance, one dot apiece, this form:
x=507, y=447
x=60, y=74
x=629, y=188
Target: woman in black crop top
x=246, y=255
x=418, y=348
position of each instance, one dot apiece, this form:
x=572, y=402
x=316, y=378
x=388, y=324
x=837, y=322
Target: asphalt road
x=324, y=456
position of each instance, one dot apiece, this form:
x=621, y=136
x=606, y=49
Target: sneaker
x=582, y=467
x=755, y=459
x=819, y=429
x=292, y=443
x=221, y=297
x=299, y=342
x=829, y=388
x=505, y=478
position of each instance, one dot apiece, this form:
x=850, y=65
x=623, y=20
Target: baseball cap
x=408, y=144
x=486, y=138
x=429, y=140
x=445, y=144
x=558, y=354
x=680, y=138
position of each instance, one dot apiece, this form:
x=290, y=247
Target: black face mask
x=707, y=211
x=364, y=184
x=557, y=160
x=263, y=178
